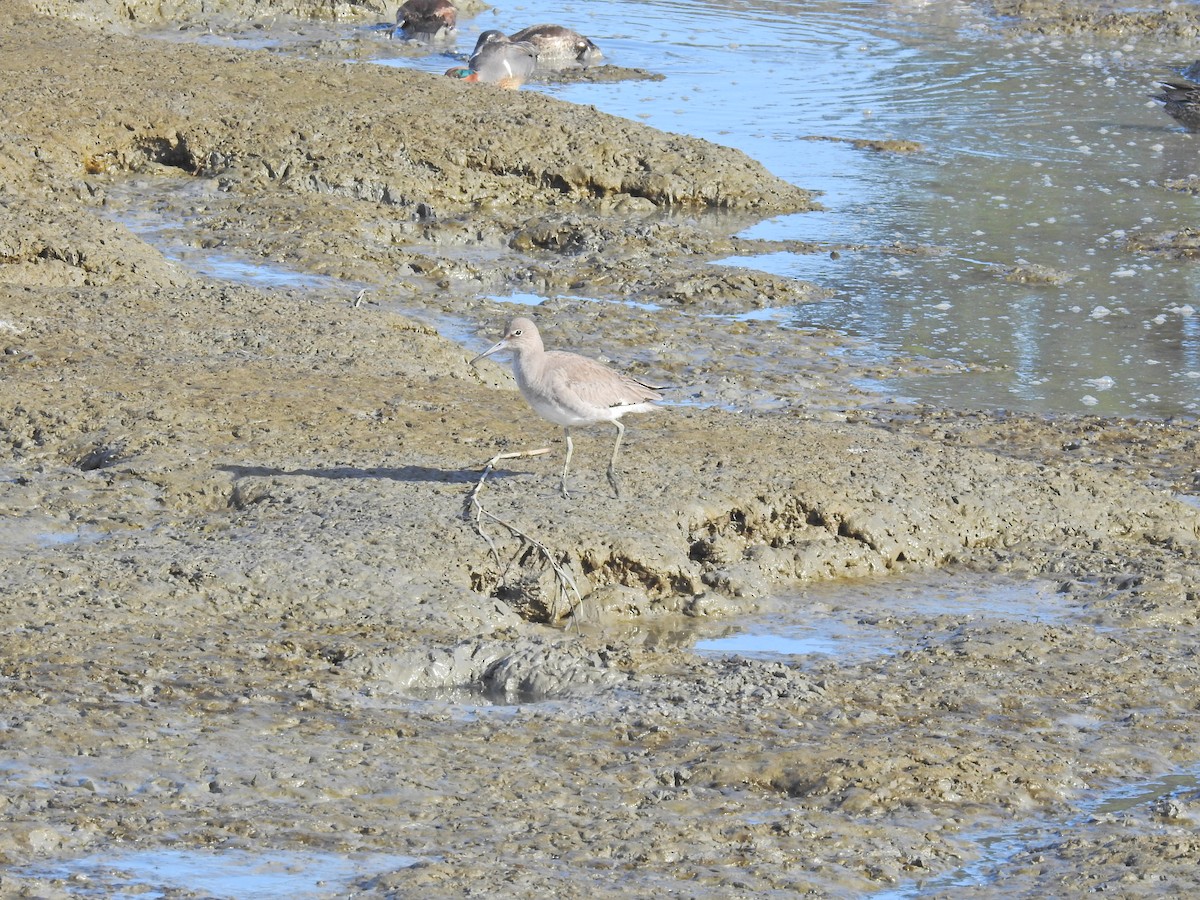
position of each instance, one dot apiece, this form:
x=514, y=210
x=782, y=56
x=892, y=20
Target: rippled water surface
x=1037, y=155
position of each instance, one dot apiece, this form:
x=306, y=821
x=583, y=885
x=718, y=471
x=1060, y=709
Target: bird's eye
x=517, y=333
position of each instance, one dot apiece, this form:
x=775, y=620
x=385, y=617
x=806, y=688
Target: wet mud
x=250, y=608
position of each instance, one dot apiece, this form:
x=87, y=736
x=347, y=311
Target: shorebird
x=498, y=60
x=429, y=20
x=557, y=46
x=571, y=390
x=1181, y=100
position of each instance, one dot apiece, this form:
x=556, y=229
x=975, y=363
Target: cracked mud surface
x=243, y=608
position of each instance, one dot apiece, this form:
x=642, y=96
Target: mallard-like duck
x=557, y=45
x=429, y=20
x=1181, y=100
x=498, y=60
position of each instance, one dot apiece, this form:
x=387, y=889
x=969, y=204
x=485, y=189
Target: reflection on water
x=859, y=619
x=1037, y=155
x=1037, y=152
x=230, y=268
x=755, y=645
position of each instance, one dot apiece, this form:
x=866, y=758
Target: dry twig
x=566, y=589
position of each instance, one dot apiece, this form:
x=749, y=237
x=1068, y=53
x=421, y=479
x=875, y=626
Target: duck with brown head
x=559, y=47
x=1180, y=98
x=427, y=20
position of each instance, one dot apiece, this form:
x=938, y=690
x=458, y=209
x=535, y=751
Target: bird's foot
x=612, y=480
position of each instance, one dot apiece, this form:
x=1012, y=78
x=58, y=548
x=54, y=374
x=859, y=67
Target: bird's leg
x=612, y=474
x=567, y=463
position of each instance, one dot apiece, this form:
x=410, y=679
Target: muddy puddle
x=848, y=623
x=149, y=208
x=233, y=874
x=1169, y=800
x=20, y=533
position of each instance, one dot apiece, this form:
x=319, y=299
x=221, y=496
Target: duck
x=1180, y=98
x=498, y=60
x=429, y=20
x=558, y=45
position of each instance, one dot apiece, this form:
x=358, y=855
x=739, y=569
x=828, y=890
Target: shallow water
x=998, y=849
x=230, y=873
x=762, y=643
x=1004, y=179
x=141, y=206
x=19, y=534
x=853, y=621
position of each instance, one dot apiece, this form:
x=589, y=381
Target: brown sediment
x=237, y=559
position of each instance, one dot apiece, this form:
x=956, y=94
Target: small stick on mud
x=564, y=582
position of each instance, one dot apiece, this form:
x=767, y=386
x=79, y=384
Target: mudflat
x=256, y=599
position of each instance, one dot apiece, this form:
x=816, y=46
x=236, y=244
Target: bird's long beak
x=496, y=348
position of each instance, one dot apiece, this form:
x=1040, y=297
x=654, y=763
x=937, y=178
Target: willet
x=570, y=390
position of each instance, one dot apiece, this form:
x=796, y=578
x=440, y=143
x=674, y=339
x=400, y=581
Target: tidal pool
x=19, y=534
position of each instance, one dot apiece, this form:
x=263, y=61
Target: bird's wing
x=595, y=384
